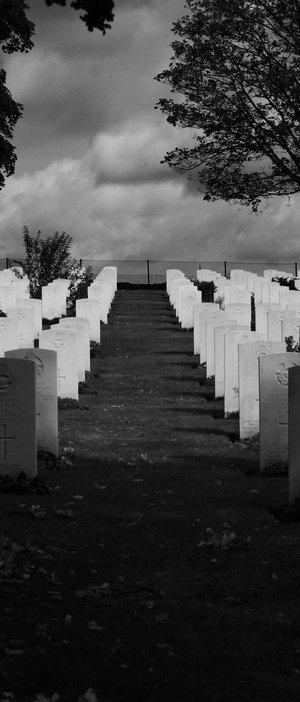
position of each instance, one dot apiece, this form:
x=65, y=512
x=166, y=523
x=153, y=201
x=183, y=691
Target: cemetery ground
x=161, y=566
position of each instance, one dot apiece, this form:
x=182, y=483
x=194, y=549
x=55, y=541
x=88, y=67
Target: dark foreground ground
x=155, y=571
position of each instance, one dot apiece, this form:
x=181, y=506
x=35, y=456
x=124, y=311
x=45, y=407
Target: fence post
x=148, y=272
x=296, y=269
x=80, y=262
x=7, y=263
x=225, y=269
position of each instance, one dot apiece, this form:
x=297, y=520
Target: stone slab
x=89, y=309
x=220, y=331
x=64, y=342
x=231, y=366
x=17, y=417
x=273, y=408
x=249, y=382
x=46, y=395
x=294, y=433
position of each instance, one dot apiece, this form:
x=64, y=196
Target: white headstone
x=188, y=298
x=273, y=407
x=249, y=383
x=24, y=321
x=82, y=324
x=261, y=317
x=220, y=331
x=8, y=334
x=198, y=308
x=171, y=274
x=215, y=313
x=46, y=395
x=231, y=366
x=51, y=306
x=89, y=309
x=240, y=312
x=64, y=342
x=275, y=319
x=210, y=325
x=17, y=417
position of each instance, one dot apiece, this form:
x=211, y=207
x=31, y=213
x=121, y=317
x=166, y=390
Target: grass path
x=155, y=571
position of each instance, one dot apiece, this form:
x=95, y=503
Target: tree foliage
x=16, y=34
x=50, y=258
x=236, y=72
x=98, y=14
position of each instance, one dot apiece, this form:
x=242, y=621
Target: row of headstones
x=251, y=372
x=33, y=377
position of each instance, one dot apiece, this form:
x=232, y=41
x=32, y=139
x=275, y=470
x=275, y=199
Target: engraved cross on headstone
x=59, y=377
x=3, y=440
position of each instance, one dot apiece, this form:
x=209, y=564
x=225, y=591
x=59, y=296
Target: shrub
x=50, y=258
x=207, y=288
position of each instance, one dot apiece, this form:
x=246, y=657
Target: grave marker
x=273, y=407
x=17, y=417
x=46, y=395
x=249, y=383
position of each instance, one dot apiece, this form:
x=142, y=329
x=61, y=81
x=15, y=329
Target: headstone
x=64, y=342
x=35, y=307
x=198, y=308
x=8, y=334
x=89, y=309
x=177, y=287
x=17, y=417
x=238, y=295
x=294, y=433
x=171, y=274
x=210, y=325
x=188, y=298
x=275, y=319
x=231, y=366
x=83, y=324
x=249, y=383
x=220, y=331
x=237, y=276
x=215, y=313
x=24, y=321
x=286, y=295
x=240, y=312
x=179, y=280
x=261, y=317
x=103, y=295
x=51, y=306
x=270, y=273
x=46, y=395
x=207, y=275
x=273, y=407
x=7, y=297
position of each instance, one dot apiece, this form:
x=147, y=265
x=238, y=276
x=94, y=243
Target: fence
x=149, y=272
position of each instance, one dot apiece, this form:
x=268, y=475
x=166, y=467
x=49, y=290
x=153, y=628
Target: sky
x=90, y=145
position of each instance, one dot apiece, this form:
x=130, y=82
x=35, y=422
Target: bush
x=50, y=258
x=207, y=288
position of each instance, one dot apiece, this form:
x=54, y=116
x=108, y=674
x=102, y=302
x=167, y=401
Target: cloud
x=90, y=144
x=114, y=205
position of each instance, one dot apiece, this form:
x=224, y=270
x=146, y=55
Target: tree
x=16, y=32
x=97, y=14
x=236, y=70
x=50, y=258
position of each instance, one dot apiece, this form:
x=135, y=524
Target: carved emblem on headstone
x=38, y=362
x=7, y=380
x=58, y=343
x=282, y=373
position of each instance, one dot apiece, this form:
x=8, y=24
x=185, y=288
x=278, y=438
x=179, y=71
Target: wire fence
x=151, y=272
